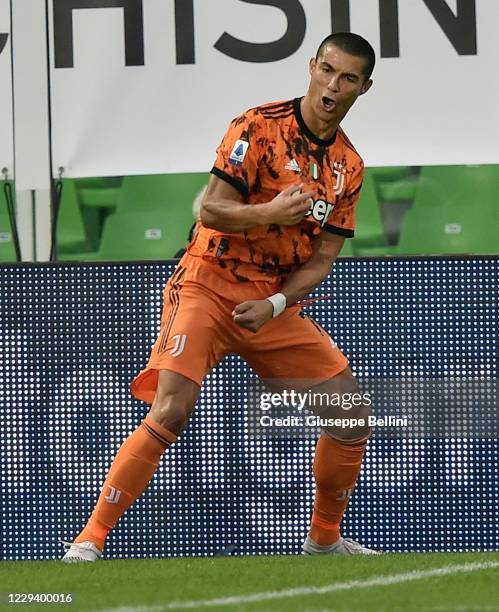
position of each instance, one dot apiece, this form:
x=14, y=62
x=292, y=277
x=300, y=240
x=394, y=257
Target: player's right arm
x=223, y=208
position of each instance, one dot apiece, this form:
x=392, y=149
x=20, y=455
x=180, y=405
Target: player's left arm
x=325, y=248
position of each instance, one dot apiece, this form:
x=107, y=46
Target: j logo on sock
x=345, y=494
x=114, y=495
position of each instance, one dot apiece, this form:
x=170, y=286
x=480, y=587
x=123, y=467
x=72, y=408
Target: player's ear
x=312, y=64
x=366, y=87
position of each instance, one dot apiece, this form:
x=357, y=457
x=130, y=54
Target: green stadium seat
x=394, y=191
x=468, y=186
x=99, y=182
x=7, y=250
x=99, y=192
x=448, y=229
x=369, y=229
x=99, y=197
x=376, y=251
x=134, y=236
x=455, y=210
x=169, y=195
x=390, y=173
x=171, y=192
x=71, y=231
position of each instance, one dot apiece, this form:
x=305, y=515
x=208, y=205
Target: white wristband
x=278, y=301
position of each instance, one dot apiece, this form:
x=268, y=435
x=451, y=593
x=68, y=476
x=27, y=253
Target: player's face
x=337, y=80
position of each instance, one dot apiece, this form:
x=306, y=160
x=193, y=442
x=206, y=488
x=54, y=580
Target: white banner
x=6, y=116
x=149, y=86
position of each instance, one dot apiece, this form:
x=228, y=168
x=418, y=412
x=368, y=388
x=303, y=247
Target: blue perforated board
x=73, y=336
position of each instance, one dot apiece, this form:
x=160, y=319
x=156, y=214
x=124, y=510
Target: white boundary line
x=301, y=591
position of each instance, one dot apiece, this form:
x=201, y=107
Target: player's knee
x=348, y=416
x=350, y=426
x=174, y=402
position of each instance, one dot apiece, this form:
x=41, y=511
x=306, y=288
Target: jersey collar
x=304, y=128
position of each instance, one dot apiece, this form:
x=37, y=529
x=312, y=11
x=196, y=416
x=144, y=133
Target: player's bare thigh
x=344, y=385
x=175, y=400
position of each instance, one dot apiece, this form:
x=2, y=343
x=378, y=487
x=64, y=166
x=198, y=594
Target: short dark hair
x=352, y=44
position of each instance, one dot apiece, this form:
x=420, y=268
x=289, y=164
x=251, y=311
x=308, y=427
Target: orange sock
x=336, y=469
x=129, y=475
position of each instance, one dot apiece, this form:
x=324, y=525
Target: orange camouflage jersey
x=264, y=151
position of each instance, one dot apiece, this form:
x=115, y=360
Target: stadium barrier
x=74, y=335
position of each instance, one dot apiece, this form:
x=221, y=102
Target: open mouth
x=328, y=104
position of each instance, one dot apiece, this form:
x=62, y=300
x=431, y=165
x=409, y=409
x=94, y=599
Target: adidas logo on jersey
x=293, y=165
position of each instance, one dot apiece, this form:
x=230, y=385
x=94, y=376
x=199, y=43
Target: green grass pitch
x=401, y=582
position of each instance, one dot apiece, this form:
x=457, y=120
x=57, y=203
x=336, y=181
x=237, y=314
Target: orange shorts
x=198, y=331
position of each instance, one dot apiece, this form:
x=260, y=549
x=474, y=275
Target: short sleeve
x=342, y=218
x=237, y=154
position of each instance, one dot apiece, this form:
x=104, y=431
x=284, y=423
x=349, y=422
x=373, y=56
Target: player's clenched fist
x=253, y=314
x=290, y=206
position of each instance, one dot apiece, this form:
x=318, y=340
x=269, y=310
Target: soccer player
x=279, y=205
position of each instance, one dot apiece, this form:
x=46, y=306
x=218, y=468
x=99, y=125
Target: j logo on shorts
x=178, y=349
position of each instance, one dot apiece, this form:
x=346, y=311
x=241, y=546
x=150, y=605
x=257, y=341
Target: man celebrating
x=278, y=208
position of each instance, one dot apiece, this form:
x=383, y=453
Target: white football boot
x=344, y=546
x=83, y=552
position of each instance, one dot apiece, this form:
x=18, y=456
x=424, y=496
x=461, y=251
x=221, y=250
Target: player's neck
x=322, y=129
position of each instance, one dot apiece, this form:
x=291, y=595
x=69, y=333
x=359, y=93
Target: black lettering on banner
x=3, y=41
x=388, y=23
x=184, y=31
x=389, y=28
x=63, y=29
x=340, y=16
x=460, y=29
x=272, y=51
